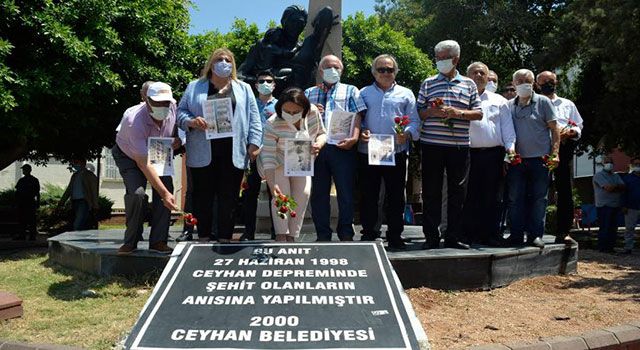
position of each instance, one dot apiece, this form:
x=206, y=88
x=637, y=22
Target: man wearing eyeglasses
x=509, y=91
x=447, y=103
x=265, y=84
x=385, y=101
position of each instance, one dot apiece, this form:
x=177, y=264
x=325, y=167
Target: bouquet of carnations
x=285, y=205
x=400, y=123
x=513, y=158
x=570, y=124
x=550, y=161
x=189, y=219
x=438, y=103
x=244, y=185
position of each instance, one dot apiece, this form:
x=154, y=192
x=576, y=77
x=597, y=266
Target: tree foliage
x=68, y=69
x=366, y=38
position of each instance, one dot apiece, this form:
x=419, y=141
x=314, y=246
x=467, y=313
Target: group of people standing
x=466, y=133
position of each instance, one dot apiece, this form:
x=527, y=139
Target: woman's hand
x=198, y=123
x=253, y=152
x=276, y=191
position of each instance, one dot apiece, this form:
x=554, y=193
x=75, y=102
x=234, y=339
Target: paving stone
x=16, y=346
x=566, y=343
x=600, y=339
x=635, y=323
x=533, y=346
x=625, y=333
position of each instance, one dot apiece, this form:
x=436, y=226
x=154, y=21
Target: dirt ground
x=604, y=292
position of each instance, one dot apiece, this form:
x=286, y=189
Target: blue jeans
x=339, y=165
x=528, y=186
x=607, y=219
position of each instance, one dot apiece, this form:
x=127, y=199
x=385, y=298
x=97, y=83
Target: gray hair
x=523, y=72
x=451, y=46
x=144, y=88
x=327, y=57
x=382, y=57
x=477, y=64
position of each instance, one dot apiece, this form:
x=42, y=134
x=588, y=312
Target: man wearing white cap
x=155, y=118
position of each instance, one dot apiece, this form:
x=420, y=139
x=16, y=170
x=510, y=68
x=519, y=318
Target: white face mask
x=491, y=87
x=291, y=118
x=445, y=66
x=265, y=88
x=159, y=113
x=222, y=69
x=608, y=166
x=331, y=75
x=635, y=169
x=524, y=90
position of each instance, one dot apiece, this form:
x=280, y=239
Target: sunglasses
x=382, y=70
x=261, y=81
x=510, y=90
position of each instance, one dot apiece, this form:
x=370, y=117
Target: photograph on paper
x=381, y=150
x=209, y=115
x=218, y=114
x=340, y=126
x=160, y=155
x=298, y=160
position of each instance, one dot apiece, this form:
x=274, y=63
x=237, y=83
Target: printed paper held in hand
x=218, y=113
x=298, y=160
x=160, y=155
x=382, y=150
x=340, y=126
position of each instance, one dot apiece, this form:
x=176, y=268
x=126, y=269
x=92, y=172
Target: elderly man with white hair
x=334, y=162
x=537, y=138
x=490, y=137
x=447, y=102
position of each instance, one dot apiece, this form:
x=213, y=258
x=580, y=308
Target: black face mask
x=548, y=88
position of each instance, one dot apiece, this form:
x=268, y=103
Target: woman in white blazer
x=220, y=143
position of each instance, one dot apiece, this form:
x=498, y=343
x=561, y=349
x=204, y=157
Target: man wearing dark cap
x=28, y=201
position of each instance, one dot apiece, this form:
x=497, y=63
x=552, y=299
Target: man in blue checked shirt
x=335, y=162
x=385, y=100
x=447, y=103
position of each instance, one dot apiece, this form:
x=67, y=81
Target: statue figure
x=293, y=63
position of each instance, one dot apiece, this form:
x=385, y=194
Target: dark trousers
x=27, y=219
x=136, y=201
x=562, y=179
x=250, y=202
x=481, y=214
x=220, y=179
x=394, y=180
x=435, y=160
x=338, y=165
x=607, y=218
x=81, y=215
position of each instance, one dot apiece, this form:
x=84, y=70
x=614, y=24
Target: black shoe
x=368, y=238
x=456, y=245
x=513, y=242
x=347, y=239
x=247, y=237
x=565, y=240
x=396, y=244
x=185, y=237
x=537, y=242
x=496, y=242
x=430, y=245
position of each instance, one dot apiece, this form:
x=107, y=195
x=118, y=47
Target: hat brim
x=163, y=98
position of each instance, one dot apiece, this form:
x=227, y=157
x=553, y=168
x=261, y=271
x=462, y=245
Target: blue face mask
x=222, y=69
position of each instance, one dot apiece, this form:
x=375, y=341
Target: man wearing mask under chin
x=155, y=118
x=570, y=124
x=537, y=135
x=337, y=162
x=608, y=189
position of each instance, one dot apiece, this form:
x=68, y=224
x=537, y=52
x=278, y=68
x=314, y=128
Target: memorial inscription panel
x=277, y=296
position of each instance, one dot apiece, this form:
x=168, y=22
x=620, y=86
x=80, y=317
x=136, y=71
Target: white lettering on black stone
x=315, y=273
x=211, y=334
x=272, y=261
x=308, y=285
x=224, y=273
x=317, y=335
x=338, y=300
x=242, y=285
x=219, y=300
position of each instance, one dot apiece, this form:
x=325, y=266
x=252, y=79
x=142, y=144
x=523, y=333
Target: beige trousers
x=299, y=188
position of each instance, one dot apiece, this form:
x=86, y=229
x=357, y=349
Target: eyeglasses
x=382, y=70
x=261, y=81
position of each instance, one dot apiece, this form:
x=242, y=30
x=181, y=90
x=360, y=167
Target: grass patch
x=62, y=306
x=112, y=226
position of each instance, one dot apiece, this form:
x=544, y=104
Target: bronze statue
x=293, y=63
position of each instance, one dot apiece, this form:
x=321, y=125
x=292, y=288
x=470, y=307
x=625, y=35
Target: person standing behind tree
x=335, y=162
x=570, y=124
x=155, y=118
x=447, y=103
x=83, y=191
x=385, y=101
x=217, y=165
x=631, y=205
x=608, y=190
x=28, y=201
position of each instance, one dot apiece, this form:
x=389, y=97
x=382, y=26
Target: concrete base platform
x=481, y=267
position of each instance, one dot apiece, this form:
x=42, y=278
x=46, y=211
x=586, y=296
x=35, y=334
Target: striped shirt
x=459, y=92
x=277, y=130
x=340, y=96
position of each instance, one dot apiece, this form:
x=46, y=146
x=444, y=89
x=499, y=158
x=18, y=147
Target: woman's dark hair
x=295, y=95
